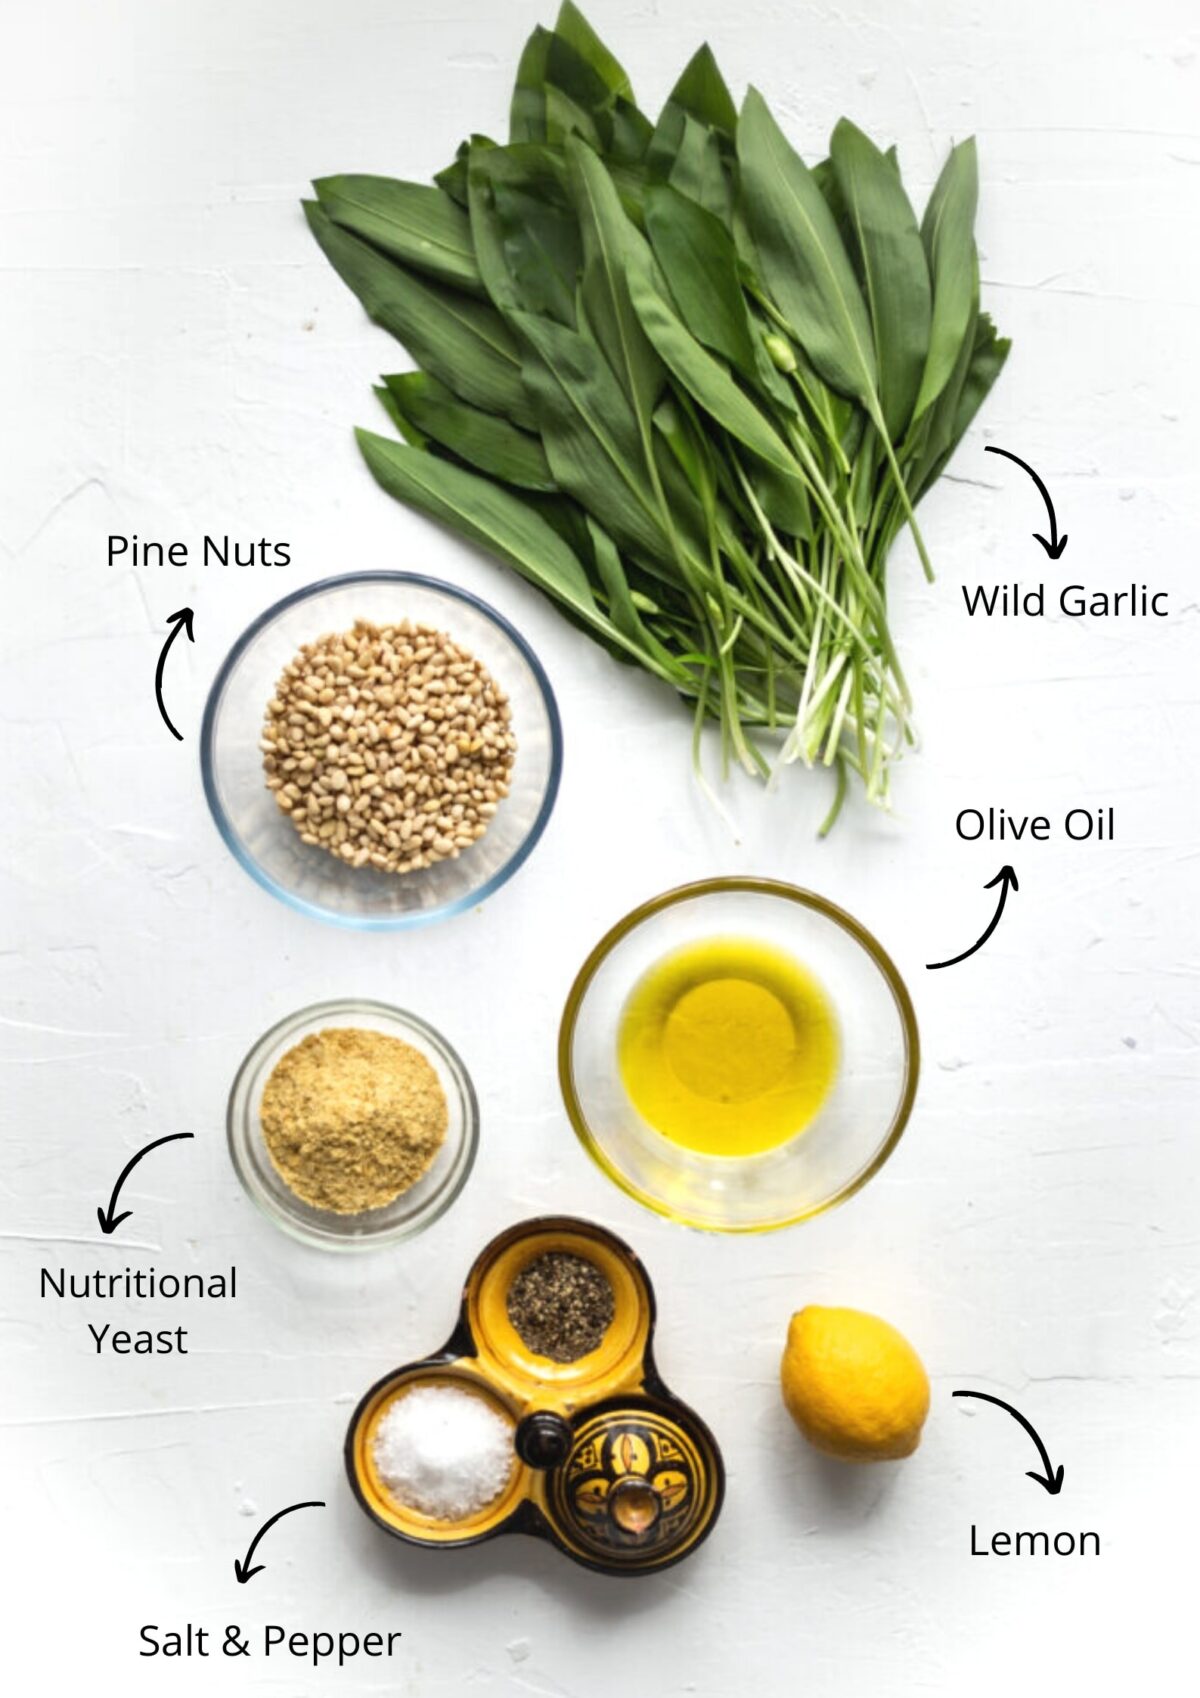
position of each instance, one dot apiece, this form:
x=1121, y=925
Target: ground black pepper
x=561, y=1306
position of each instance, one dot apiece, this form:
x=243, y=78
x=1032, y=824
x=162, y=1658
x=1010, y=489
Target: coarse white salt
x=444, y=1451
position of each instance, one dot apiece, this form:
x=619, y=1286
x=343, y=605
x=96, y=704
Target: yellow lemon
x=854, y=1386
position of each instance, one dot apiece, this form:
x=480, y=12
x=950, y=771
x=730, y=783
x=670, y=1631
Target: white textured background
x=178, y=358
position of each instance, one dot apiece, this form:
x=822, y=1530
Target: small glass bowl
x=259, y=834
x=857, y=1127
x=414, y=1209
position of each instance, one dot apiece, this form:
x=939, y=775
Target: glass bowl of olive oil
x=739, y=1055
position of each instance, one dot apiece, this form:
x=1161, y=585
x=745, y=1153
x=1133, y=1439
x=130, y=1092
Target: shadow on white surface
x=513, y=1558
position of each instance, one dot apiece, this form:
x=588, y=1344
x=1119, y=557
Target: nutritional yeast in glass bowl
x=411, y=1209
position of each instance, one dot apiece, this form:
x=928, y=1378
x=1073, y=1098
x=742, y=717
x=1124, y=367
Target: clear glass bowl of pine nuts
x=381, y=750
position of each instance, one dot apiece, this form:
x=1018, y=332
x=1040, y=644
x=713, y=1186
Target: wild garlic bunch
x=685, y=384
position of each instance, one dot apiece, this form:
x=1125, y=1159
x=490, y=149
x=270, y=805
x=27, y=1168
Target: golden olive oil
x=728, y=1046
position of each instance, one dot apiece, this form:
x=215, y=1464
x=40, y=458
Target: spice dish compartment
x=623, y=1352
x=407, y=1522
x=608, y=1465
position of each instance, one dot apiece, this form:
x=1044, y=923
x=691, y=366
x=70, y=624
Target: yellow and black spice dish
x=544, y=1414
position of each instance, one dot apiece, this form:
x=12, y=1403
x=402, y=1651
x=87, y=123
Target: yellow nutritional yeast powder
x=353, y=1118
x=728, y=1046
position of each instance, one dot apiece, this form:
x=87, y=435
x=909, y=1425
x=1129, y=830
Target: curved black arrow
x=243, y=1570
x=1053, y=1478
x=1004, y=878
x=1056, y=544
x=183, y=618
x=109, y=1222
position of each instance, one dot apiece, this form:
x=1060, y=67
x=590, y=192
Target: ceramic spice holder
x=610, y=1466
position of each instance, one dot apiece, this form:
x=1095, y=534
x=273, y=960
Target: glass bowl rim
x=779, y=888
x=379, y=922
x=400, y=1230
